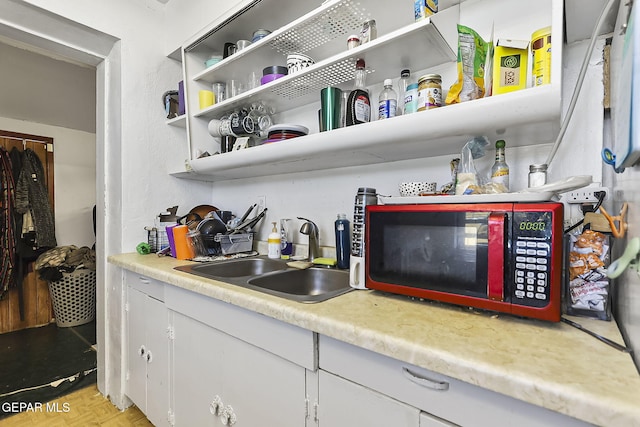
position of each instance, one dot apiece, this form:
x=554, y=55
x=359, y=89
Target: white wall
x=74, y=178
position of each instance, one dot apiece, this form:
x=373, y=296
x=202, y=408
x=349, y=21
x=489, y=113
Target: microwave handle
x=495, y=277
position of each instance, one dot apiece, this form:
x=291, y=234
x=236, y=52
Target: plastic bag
x=472, y=54
x=467, y=181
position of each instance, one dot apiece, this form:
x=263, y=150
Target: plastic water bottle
x=343, y=241
x=388, y=101
x=403, y=84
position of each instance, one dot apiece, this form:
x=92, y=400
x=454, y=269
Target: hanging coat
x=7, y=232
x=31, y=196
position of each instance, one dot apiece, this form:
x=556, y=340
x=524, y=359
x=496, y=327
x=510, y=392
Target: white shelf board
x=421, y=43
x=180, y=121
x=443, y=131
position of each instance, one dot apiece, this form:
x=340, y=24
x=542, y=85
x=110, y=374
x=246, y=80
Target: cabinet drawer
x=456, y=401
x=287, y=341
x=146, y=285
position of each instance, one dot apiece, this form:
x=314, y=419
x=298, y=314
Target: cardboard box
x=510, y=67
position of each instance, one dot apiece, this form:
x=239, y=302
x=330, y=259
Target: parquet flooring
x=84, y=407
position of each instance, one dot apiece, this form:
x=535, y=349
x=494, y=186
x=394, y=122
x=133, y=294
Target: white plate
x=471, y=198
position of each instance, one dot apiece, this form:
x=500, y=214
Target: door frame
x=59, y=37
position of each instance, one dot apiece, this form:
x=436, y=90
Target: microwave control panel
x=531, y=258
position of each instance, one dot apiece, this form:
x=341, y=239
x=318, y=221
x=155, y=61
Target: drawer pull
x=426, y=382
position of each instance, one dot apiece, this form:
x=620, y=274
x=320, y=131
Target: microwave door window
x=434, y=251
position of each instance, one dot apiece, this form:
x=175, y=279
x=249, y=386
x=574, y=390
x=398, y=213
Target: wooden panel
x=38, y=310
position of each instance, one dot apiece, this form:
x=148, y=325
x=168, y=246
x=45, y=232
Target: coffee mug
x=229, y=49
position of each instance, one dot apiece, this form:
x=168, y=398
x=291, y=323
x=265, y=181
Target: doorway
x=26, y=303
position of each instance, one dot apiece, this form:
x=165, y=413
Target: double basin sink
x=274, y=277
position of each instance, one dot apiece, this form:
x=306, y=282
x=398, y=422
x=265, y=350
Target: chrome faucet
x=311, y=229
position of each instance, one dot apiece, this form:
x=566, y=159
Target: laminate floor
x=84, y=407
x=38, y=365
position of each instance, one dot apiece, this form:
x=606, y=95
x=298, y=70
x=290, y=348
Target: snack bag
x=467, y=181
x=472, y=54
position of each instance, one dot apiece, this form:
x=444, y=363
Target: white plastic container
x=274, y=243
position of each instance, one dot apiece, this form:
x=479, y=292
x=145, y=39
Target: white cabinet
x=342, y=403
x=147, y=353
x=442, y=400
x=220, y=380
x=530, y=116
x=230, y=365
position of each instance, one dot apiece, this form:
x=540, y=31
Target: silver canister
x=537, y=175
x=365, y=196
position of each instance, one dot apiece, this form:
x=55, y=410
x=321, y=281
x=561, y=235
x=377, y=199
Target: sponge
x=302, y=265
x=331, y=262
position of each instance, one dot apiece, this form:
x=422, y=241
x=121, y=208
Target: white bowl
x=408, y=189
x=297, y=62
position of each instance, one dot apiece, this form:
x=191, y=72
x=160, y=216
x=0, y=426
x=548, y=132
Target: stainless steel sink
x=235, y=268
x=311, y=285
x=273, y=277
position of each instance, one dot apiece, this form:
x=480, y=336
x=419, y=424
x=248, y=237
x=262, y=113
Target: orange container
x=183, y=249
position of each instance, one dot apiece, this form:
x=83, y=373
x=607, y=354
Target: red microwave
x=504, y=257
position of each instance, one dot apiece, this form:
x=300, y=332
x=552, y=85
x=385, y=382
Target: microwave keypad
x=531, y=271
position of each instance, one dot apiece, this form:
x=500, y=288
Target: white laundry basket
x=74, y=298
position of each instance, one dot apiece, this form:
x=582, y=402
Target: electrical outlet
x=584, y=195
x=262, y=203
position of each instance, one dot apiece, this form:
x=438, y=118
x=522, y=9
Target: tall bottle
x=343, y=241
x=358, y=103
x=500, y=169
x=403, y=85
x=387, y=101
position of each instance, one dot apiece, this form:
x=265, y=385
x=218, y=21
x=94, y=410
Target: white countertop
x=552, y=365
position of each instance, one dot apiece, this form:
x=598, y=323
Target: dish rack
x=235, y=243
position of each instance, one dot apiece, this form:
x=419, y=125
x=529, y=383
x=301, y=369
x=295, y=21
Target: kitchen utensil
x=246, y=214
x=249, y=222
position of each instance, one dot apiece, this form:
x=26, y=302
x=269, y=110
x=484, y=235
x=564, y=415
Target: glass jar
x=429, y=92
x=537, y=175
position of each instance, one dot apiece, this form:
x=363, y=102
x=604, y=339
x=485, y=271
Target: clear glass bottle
x=387, y=101
x=403, y=84
x=500, y=169
x=358, y=104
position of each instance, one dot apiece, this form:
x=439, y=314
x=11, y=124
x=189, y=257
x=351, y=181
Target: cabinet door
x=196, y=372
x=136, y=349
x=157, y=358
x=211, y=369
x=148, y=356
x=343, y=403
